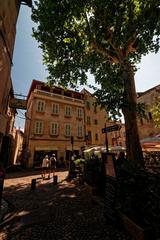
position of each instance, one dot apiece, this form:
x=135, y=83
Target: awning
x=95, y=149
x=151, y=149
x=150, y=140
x=118, y=149
x=151, y=144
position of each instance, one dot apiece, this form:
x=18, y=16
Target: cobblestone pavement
x=60, y=212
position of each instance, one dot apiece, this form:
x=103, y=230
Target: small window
x=40, y=106
x=67, y=130
x=55, y=108
x=79, y=112
x=54, y=129
x=80, y=131
x=68, y=111
x=38, y=127
x=96, y=121
x=96, y=137
x=89, y=136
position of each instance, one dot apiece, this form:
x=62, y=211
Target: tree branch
x=105, y=52
x=88, y=26
x=109, y=38
x=130, y=44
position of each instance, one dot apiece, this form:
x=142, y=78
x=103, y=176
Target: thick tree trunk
x=133, y=147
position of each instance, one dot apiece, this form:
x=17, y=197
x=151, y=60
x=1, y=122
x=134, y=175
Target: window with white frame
x=79, y=112
x=39, y=127
x=68, y=111
x=80, y=130
x=55, y=108
x=68, y=129
x=40, y=105
x=54, y=129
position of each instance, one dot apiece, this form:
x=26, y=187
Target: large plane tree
x=104, y=37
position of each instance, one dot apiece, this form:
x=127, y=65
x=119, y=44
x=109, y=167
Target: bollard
x=55, y=179
x=33, y=184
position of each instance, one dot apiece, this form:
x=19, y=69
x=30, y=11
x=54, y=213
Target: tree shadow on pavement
x=31, y=172
x=62, y=211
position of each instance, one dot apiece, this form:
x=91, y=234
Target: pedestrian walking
x=45, y=167
x=53, y=161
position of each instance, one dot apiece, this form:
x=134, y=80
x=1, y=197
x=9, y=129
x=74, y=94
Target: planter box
x=136, y=231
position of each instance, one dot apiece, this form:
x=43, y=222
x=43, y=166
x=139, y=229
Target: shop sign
x=18, y=103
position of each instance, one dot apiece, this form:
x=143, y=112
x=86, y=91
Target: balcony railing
x=54, y=95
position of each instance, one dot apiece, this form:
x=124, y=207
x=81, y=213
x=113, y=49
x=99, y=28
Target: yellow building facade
x=95, y=120
x=9, y=10
x=8, y=17
x=146, y=126
x=54, y=117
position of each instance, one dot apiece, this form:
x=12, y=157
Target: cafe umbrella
x=151, y=143
x=118, y=149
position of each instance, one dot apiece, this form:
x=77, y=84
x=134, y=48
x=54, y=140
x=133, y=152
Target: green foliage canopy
x=96, y=36
x=77, y=36
x=156, y=114
x=104, y=37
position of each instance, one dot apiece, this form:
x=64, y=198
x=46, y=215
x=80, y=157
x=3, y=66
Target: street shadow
x=54, y=212
x=29, y=206
x=32, y=172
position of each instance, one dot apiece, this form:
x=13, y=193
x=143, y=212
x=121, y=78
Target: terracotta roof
x=85, y=91
x=36, y=83
x=147, y=91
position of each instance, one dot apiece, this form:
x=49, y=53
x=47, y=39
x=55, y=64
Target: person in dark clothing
x=121, y=159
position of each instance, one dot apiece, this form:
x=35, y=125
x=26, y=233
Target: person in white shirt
x=45, y=167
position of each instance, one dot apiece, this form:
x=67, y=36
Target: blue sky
x=27, y=63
